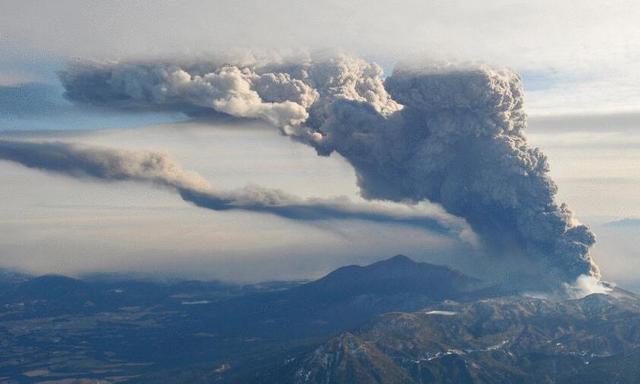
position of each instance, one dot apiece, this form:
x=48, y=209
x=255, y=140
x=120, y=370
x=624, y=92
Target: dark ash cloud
x=284, y=93
x=447, y=134
x=158, y=169
x=100, y=163
x=459, y=141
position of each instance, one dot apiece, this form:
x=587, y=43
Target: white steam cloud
x=586, y=285
x=450, y=135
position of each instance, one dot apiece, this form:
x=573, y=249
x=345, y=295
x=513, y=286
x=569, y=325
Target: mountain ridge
x=507, y=339
x=392, y=321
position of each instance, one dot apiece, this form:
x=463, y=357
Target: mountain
x=52, y=287
x=239, y=329
x=49, y=295
x=345, y=359
x=397, y=275
x=619, y=369
x=344, y=299
x=10, y=277
x=497, y=340
x=26, y=297
x=394, y=321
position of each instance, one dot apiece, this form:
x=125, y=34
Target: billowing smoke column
x=451, y=135
x=108, y=164
x=459, y=142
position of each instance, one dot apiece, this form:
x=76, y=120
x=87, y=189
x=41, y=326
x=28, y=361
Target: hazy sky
x=578, y=59
x=585, y=53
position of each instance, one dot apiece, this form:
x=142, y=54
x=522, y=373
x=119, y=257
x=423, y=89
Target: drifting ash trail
x=106, y=164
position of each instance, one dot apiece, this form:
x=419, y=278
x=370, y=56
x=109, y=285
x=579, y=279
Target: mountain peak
x=348, y=359
x=397, y=259
x=55, y=287
x=396, y=275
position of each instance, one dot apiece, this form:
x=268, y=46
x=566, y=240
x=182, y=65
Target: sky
x=578, y=61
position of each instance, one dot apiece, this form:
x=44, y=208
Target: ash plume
x=459, y=141
x=106, y=164
x=283, y=93
x=447, y=134
x=101, y=163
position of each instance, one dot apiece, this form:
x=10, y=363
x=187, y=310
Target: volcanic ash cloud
x=158, y=169
x=459, y=141
x=446, y=134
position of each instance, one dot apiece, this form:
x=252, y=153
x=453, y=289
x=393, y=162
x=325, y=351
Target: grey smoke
x=448, y=134
x=459, y=141
x=108, y=164
x=285, y=94
x=227, y=89
x=101, y=163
